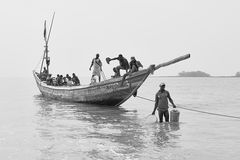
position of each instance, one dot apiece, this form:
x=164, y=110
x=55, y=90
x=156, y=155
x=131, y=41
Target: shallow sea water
x=33, y=127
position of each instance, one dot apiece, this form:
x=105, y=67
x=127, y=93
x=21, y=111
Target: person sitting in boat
x=45, y=71
x=75, y=79
x=68, y=77
x=54, y=81
x=134, y=65
x=64, y=80
x=123, y=64
x=43, y=75
x=59, y=80
x=69, y=81
x=49, y=80
x=97, y=67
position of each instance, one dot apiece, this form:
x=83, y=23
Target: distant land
x=237, y=74
x=193, y=74
x=199, y=74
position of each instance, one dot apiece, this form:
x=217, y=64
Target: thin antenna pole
x=50, y=27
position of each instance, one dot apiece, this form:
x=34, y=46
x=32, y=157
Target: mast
x=46, y=39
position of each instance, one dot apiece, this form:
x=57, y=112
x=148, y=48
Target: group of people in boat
x=131, y=67
x=96, y=64
x=60, y=80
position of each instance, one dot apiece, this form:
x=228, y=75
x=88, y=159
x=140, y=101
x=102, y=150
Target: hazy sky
x=151, y=30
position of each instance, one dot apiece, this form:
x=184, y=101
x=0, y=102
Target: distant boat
x=110, y=92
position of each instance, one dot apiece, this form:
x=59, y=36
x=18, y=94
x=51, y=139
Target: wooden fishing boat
x=111, y=92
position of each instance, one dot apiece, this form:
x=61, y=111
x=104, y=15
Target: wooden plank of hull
x=108, y=92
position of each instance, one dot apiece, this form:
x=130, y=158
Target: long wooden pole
x=181, y=58
x=46, y=47
x=42, y=61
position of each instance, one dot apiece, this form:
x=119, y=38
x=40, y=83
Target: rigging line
x=194, y=110
x=38, y=63
x=49, y=33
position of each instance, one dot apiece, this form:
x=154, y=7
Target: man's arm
x=91, y=65
x=113, y=58
x=156, y=104
x=170, y=100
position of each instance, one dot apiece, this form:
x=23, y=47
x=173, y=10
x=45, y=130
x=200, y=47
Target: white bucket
x=174, y=115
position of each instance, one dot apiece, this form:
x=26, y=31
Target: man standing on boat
x=97, y=67
x=123, y=64
x=161, y=103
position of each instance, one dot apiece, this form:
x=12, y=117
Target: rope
x=37, y=64
x=145, y=118
x=133, y=91
x=194, y=110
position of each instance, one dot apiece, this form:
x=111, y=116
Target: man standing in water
x=97, y=67
x=161, y=103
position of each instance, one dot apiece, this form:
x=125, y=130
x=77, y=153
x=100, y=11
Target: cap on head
x=133, y=58
x=120, y=55
x=162, y=84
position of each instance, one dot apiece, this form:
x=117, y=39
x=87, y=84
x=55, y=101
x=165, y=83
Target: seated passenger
x=49, y=79
x=75, y=79
x=54, y=81
x=134, y=65
x=68, y=77
x=43, y=74
x=58, y=80
x=45, y=71
x=69, y=83
x=65, y=80
x=68, y=80
x=61, y=80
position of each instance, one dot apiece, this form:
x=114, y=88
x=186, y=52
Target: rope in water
x=194, y=110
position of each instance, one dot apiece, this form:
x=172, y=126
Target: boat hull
x=112, y=92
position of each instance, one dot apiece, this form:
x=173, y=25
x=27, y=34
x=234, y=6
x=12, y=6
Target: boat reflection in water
x=75, y=130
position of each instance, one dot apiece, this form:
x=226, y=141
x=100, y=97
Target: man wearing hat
x=161, y=103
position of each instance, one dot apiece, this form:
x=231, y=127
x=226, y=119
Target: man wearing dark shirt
x=161, y=103
x=123, y=64
x=134, y=65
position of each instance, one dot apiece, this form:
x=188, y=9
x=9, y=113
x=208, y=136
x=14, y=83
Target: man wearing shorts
x=161, y=103
x=123, y=64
